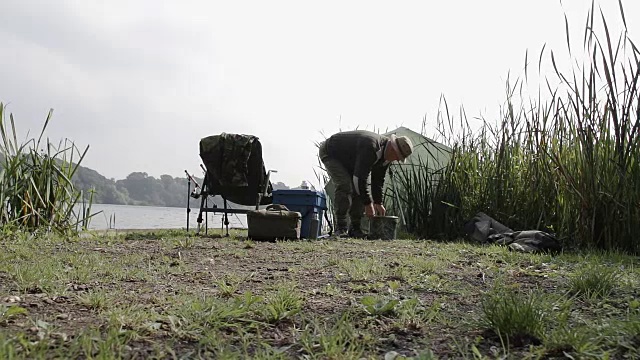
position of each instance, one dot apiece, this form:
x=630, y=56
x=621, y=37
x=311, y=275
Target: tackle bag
x=274, y=222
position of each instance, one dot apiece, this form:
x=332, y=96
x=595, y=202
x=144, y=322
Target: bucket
x=383, y=227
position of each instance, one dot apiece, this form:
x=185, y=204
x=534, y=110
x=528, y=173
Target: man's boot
x=341, y=230
x=340, y=233
x=355, y=231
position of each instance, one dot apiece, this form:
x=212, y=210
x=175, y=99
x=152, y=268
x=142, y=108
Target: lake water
x=153, y=217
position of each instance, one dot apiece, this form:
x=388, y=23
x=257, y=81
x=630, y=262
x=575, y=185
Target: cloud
x=143, y=81
x=119, y=85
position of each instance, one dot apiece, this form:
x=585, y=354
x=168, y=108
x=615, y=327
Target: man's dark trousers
x=345, y=201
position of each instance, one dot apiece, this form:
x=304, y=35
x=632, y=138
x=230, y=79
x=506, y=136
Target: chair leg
x=206, y=219
x=199, y=220
x=226, y=217
x=188, y=201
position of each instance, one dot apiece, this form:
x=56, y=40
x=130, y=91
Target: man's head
x=399, y=148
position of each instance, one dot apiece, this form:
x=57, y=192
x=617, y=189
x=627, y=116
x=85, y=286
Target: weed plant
x=35, y=181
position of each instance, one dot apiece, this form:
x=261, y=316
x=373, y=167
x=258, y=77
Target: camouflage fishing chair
x=234, y=169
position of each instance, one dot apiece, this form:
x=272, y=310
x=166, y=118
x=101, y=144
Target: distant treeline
x=140, y=189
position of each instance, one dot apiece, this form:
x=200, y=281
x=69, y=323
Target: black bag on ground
x=274, y=222
x=482, y=226
x=528, y=241
x=484, y=229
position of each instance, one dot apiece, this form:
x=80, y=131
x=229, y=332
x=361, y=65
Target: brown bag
x=274, y=223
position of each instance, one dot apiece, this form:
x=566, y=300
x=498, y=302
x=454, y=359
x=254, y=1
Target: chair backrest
x=235, y=168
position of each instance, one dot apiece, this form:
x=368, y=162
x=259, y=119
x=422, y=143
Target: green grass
x=113, y=298
x=333, y=339
x=282, y=304
x=594, y=281
x=96, y=299
x=514, y=315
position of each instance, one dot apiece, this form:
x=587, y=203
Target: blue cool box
x=306, y=202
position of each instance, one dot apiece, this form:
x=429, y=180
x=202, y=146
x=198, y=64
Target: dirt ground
x=167, y=295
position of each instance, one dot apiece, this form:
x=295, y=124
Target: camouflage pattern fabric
x=232, y=151
x=237, y=149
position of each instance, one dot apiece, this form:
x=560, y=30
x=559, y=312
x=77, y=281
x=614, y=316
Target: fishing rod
x=192, y=180
x=194, y=195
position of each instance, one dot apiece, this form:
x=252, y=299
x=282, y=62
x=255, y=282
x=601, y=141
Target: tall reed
x=35, y=181
x=411, y=188
x=566, y=162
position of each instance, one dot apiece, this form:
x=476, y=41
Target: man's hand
x=369, y=210
x=380, y=210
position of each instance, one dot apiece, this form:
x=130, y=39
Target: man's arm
x=377, y=182
x=364, y=162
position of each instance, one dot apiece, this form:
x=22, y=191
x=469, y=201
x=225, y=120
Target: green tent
x=427, y=155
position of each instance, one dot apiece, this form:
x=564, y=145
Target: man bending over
x=349, y=157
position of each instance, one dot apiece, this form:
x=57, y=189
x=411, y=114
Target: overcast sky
x=143, y=81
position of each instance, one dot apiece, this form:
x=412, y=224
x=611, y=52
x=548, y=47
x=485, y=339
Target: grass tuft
x=340, y=340
x=282, y=305
x=516, y=316
x=594, y=281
